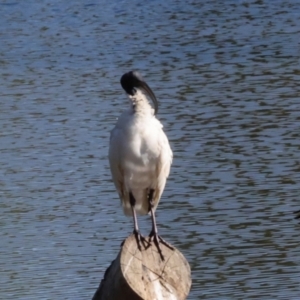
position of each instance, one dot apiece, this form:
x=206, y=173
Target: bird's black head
x=133, y=80
x=130, y=81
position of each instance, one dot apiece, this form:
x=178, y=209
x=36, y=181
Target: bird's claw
x=154, y=237
x=140, y=240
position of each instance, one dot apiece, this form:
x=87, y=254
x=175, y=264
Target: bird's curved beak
x=145, y=88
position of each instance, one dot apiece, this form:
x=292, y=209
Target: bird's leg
x=154, y=234
x=139, y=238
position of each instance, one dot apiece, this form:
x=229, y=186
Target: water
x=227, y=77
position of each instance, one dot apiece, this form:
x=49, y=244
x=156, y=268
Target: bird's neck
x=140, y=104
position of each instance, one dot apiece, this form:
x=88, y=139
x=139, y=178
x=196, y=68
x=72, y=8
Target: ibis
x=140, y=156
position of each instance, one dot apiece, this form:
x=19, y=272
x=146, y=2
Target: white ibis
x=140, y=156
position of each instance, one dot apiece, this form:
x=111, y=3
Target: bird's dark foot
x=297, y=213
x=154, y=237
x=140, y=240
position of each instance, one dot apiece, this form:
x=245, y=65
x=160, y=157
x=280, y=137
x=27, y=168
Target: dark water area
x=226, y=75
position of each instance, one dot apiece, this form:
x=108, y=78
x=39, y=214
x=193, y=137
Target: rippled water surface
x=227, y=78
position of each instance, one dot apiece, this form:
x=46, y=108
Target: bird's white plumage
x=140, y=156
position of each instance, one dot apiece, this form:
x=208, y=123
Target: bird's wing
x=163, y=163
x=115, y=161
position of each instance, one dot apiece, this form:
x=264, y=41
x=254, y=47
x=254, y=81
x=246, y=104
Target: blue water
x=227, y=78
